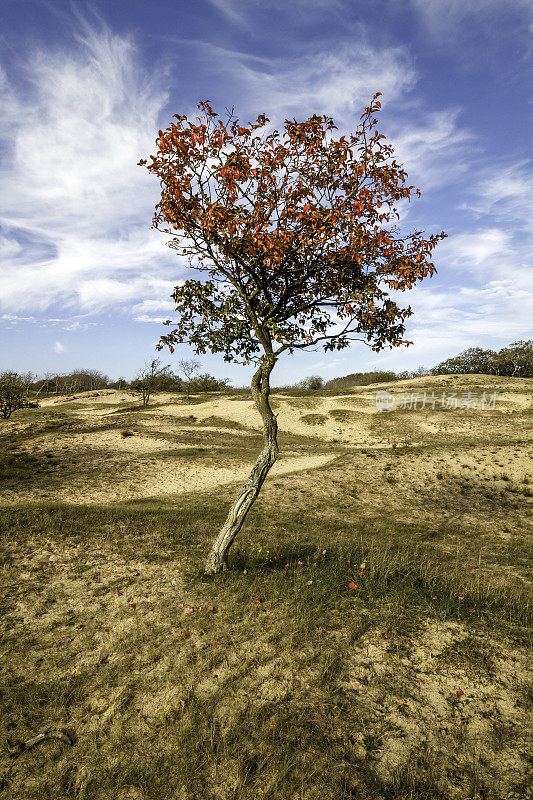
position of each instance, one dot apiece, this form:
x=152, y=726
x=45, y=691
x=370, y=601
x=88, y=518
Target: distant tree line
x=514, y=360
x=81, y=380
x=88, y=380
x=23, y=390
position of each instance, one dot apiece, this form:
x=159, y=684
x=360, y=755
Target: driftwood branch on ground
x=16, y=747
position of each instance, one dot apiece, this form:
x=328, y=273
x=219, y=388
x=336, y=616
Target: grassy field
x=369, y=642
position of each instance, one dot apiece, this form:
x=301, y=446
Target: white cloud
x=434, y=150
x=238, y=11
x=337, y=81
x=442, y=16
x=9, y=247
x=449, y=320
x=480, y=249
x=16, y=319
x=75, y=207
x=59, y=348
x=506, y=193
x=229, y=9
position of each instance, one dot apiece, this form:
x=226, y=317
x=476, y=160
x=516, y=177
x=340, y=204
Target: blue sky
x=85, y=87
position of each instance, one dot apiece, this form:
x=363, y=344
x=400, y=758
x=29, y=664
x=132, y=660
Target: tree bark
x=217, y=559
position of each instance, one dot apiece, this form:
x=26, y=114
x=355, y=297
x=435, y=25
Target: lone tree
x=295, y=234
x=150, y=380
x=190, y=368
x=13, y=391
x=312, y=383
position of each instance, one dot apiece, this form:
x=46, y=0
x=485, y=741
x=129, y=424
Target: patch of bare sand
x=106, y=396
x=291, y=417
x=114, y=441
x=191, y=477
x=163, y=479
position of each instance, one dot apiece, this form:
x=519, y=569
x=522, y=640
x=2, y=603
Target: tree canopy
x=295, y=231
x=13, y=391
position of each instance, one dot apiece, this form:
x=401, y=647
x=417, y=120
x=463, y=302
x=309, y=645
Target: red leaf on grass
x=352, y=585
x=459, y=693
x=133, y=605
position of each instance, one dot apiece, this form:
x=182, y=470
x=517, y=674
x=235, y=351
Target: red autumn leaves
x=362, y=567
x=296, y=224
x=209, y=609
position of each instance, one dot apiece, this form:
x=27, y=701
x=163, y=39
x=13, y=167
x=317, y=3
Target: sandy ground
x=137, y=466
x=473, y=474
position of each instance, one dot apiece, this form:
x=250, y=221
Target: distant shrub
x=312, y=383
x=361, y=379
x=343, y=414
x=208, y=383
x=313, y=419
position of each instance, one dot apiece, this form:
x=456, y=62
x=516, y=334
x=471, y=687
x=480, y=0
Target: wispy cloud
x=434, y=148
x=239, y=11
x=339, y=81
x=75, y=207
x=59, y=348
x=445, y=16
x=231, y=10
x=487, y=300
x=482, y=249
x=326, y=80
x=505, y=193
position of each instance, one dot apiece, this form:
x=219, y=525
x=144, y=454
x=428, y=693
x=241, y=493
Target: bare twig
x=16, y=747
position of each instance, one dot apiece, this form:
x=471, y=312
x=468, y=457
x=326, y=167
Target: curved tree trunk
x=217, y=559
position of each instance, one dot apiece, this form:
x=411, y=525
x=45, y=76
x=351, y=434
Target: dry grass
x=283, y=681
